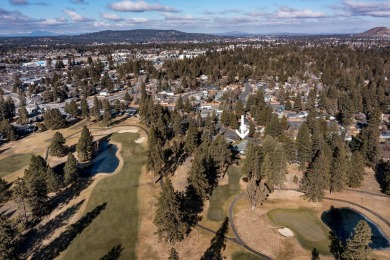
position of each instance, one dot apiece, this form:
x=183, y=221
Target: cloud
x=54, y=22
x=78, y=2
x=287, y=12
x=111, y=17
x=361, y=8
x=222, y=12
x=75, y=17
x=139, y=6
x=18, y=2
x=24, y=2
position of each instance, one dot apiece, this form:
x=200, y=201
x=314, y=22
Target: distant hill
x=31, y=34
x=375, y=32
x=144, y=35
x=109, y=36
x=235, y=34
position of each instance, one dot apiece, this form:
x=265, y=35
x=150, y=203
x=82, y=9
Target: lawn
x=116, y=228
x=305, y=224
x=221, y=195
x=13, y=163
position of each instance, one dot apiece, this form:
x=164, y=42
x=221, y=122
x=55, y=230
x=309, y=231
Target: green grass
x=307, y=227
x=222, y=193
x=117, y=225
x=13, y=163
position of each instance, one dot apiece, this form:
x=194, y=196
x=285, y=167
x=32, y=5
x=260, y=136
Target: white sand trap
x=131, y=130
x=286, y=232
x=140, y=140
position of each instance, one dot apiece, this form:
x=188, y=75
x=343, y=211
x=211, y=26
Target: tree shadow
x=315, y=254
x=114, y=253
x=336, y=246
x=64, y=196
x=218, y=243
x=380, y=176
x=62, y=242
x=33, y=238
x=191, y=205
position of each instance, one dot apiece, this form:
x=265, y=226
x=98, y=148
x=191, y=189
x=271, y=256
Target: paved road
x=247, y=90
x=242, y=243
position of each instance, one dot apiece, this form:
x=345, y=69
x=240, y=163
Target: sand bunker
x=140, y=140
x=131, y=130
x=286, y=232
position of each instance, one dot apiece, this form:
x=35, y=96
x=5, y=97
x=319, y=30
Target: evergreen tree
x=304, y=146
x=357, y=247
x=7, y=130
x=53, y=119
x=314, y=180
x=127, y=97
x=36, y=182
x=266, y=170
x=8, y=238
x=179, y=103
x=22, y=111
x=96, y=108
x=84, y=146
x=71, y=174
x=4, y=191
x=84, y=108
x=255, y=194
x=106, y=113
x=168, y=217
x=197, y=177
x=298, y=103
x=57, y=146
x=252, y=164
x=72, y=108
x=155, y=154
x=239, y=108
x=339, y=169
x=53, y=180
x=279, y=169
x=173, y=254
x=221, y=154
x=192, y=138
x=20, y=196
x=355, y=170
x=273, y=128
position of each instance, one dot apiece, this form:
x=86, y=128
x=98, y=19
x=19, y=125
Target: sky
x=203, y=16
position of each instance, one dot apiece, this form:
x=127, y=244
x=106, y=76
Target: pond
x=104, y=161
x=342, y=221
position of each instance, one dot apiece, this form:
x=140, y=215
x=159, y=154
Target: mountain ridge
x=375, y=32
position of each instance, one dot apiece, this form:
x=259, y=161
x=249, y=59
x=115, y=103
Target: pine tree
x=53, y=119
x=20, y=196
x=96, y=108
x=256, y=194
x=298, y=103
x=57, y=146
x=53, y=180
x=8, y=238
x=314, y=180
x=7, y=130
x=279, y=169
x=304, y=146
x=4, y=191
x=266, y=170
x=84, y=108
x=107, y=113
x=155, y=154
x=127, y=97
x=179, y=103
x=84, y=146
x=36, y=182
x=339, y=169
x=168, y=217
x=192, y=138
x=71, y=174
x=173, y=254
x=358, y=244
x=355, y=170
x=221, y=154
x=197, y=176
x=252, y=164
x=22, y=111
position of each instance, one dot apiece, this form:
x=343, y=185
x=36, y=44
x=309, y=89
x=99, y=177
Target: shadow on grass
x=218, y=243
x=63, y=197
x=114, y=253
x=33, y=238
x=381, y=171
x=62, y=242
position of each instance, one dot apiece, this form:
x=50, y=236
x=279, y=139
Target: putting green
x=307, y=227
